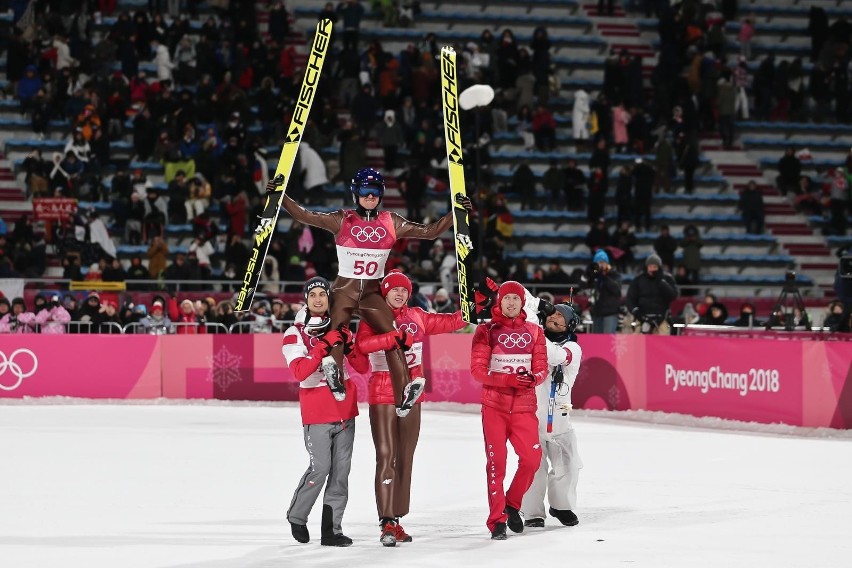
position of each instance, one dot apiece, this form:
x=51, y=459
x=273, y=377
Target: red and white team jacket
x=502, y=348
x=363, y=246
x=416, y=322
x=317, y=404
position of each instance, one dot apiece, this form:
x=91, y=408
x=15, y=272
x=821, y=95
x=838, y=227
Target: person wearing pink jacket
x=52, y=318
x=19, y=320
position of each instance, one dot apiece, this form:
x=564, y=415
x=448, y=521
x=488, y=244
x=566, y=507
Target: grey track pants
x=330, y=449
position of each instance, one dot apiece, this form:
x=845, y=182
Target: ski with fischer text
x=262, y=236
x=461, y=227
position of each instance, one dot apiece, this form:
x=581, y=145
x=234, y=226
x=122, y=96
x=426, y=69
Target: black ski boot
x=410, y=394
x=333, y=378
x=329, y=537
x=566, y=517
x=300, y=533
x=516, y=524
x=499, y=532
x=535, y=523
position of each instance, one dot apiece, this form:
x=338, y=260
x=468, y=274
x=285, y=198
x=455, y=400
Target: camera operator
x=604, y=283
x=650, y=295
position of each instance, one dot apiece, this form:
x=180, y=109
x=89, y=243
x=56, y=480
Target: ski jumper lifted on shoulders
x=509, y=358
x=328, y=423
x=364, y=237
x=396, y=439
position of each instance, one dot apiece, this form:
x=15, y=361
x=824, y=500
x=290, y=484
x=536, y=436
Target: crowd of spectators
x=221, y=93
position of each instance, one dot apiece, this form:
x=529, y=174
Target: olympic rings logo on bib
x=409, y=328
x=14, y=367
x=371, y=234
x=510, y=340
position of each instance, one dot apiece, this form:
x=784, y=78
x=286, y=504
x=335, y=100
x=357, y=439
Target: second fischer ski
x=461, y=224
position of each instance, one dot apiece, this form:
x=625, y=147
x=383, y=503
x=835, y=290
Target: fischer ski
x=269, y=218
x=461, y=226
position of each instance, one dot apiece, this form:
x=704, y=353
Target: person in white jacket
x=162, y=60
x=580, y=116
x=558, y=473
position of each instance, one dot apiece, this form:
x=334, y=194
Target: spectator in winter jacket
x=651, y=293
x=52, y=317
x=187, y=322
x=604, y=281
x=751, y=208
x=509, y=358
x=156, y=322
x=19, y=320
x=396, y=438
x=442, y=302
x=328, y=421
x=665, y=246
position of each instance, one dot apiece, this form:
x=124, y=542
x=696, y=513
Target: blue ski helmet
x=367, y=181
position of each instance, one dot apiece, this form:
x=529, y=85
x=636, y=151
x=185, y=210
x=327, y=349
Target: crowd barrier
x=783, y=380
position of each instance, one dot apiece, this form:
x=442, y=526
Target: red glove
x=522, y=380
x=404, y=340
x=348, y=338
x=484, y=296
x=326, y=342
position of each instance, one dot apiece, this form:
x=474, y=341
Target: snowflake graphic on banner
x=224, y=368
x=613, y=396
x=619, y=344
x=445, y=376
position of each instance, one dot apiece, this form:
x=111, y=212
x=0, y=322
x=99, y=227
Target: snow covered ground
x=89, y=485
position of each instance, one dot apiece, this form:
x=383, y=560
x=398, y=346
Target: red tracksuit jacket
x=418, y=323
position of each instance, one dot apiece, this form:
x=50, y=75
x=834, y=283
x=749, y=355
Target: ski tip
x=449, y=49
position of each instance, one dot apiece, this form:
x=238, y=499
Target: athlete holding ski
x=396, y=439
x=364, y=237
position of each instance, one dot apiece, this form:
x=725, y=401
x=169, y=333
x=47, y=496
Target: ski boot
x=410, y=394
x=534, y=523
x=300, y=532
x=333, y=378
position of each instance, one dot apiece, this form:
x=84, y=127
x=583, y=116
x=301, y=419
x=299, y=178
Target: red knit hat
x=394, y=279
x=509, y=287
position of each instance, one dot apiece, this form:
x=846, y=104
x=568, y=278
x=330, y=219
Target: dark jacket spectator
x=653, y=291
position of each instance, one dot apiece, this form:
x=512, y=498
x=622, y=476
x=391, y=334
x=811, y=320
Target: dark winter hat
x=20, y=301
x=572, y=318
x=653, y=259
x=395, y=279
x=317, y=282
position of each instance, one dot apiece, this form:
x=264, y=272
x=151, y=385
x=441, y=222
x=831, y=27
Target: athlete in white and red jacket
x=395, y=439
x=329, y=425
x=509, y=358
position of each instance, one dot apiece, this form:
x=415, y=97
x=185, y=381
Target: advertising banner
x=751, y=380
x=85, y=366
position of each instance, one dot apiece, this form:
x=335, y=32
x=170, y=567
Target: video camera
x=592, y=274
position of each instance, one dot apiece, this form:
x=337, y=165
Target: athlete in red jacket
x=329, y=424
x=509, y=358
x=395, y=439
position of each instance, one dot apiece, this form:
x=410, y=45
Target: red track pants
x=521, y=430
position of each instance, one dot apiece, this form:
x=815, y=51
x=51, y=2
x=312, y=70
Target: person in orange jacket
x=509, y=358
x=396, y=439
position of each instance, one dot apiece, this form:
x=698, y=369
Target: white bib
x=362, y=264
x=511, y=363
x=413, y=358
